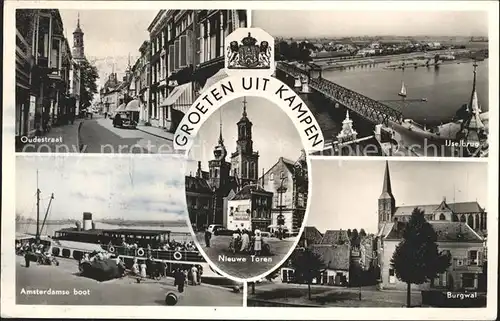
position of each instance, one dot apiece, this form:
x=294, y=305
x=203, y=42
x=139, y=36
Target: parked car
x=223, y=231
x=122, y=121
x=213, y=227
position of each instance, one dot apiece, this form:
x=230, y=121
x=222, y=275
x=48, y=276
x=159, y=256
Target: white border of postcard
x=10, y=309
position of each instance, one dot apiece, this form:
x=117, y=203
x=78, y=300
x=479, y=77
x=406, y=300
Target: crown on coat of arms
x=249, y=54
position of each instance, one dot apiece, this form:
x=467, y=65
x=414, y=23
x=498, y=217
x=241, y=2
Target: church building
x=228, y=179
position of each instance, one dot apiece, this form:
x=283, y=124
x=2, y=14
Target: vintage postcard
x=250, y=159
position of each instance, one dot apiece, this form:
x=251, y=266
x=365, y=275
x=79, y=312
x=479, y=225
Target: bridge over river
x=370, y=109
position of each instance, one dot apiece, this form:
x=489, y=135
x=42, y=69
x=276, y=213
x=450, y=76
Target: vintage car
x=122, y=121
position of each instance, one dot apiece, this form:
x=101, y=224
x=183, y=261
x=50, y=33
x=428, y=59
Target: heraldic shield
x=249, y=52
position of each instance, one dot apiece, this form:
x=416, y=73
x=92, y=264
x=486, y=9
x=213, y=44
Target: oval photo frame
x=278, y=93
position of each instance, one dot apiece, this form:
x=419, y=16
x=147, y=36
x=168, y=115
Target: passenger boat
x=75, y=242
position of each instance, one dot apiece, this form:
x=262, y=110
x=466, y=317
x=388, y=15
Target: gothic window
x=476, y=225
x=462, y=218
x=271, y=177
x=454, y=218
x=470, y=221
x=282, y=175
x=216, y=173
x=244, y=169
x=442, y=217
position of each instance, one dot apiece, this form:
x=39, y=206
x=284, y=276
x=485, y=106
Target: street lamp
x=280, y=219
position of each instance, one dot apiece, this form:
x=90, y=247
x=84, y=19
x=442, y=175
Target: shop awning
x=120, y=108
x=133, y=105
x=221, y=74
x=175, y=94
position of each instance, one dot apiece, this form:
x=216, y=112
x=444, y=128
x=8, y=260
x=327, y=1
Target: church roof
x=312, y=235
x=386, y=229
x=446, y=231
x=246, y=192
x=457, y=208
x=197, y=185
x=335, y=257
x=335, y=237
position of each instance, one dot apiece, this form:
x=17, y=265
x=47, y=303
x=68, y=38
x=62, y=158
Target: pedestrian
x=181, y=281
x=208, y=236
x=135, y=267
x=27, y=259
x=245, y=241
x=143, y=270
x=105, y=114
x=194, y=275
x=200, y=273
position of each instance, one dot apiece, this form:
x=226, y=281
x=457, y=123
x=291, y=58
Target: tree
x=307, y=265
x=88, y=78
x=362, y=232
x=417, y=259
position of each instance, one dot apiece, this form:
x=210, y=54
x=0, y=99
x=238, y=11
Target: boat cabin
x=115, y=236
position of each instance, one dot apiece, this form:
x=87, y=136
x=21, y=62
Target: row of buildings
x=233, y=194
x=353, y=259
x=47, y=71
x=184, y=50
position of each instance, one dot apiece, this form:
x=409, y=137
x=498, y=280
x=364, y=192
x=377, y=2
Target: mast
x=37, y=235
x=47, y=212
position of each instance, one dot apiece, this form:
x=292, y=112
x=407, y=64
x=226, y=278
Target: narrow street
x=98, y=135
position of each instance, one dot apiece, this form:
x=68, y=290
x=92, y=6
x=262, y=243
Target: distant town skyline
x=345, y=192
x=109, y=187
x=267, y=118
x=315, y=23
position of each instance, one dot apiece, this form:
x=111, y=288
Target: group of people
x=33, y=251
x=245, y=241
x=183, y=277
x=167, y=246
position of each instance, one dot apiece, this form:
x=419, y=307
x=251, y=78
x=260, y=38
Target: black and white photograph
x=399, y=234
x=93, y=231
x=247, y=187
x=108, y=81
x=394, y=83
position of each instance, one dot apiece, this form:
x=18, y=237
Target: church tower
x=219, y=168
x=386, y=201
x=78, y=48
x=245, y=162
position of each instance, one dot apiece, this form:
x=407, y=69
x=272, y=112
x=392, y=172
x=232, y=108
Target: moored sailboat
x=402, y=93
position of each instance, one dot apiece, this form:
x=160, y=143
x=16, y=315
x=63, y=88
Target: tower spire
x=221, y=140
x=386, y=187
x=473, y=86
x=78, y=20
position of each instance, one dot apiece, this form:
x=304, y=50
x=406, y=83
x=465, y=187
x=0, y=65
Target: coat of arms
x=249, y=54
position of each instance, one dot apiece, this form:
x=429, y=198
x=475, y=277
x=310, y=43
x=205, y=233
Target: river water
x=446, y=88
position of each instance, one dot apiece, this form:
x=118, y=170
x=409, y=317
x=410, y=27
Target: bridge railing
x=365, y=106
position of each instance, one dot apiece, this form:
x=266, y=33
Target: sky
x=274, y=135
x=314, y=23
x=134, y=188
x=110, y=36
x=345, y=193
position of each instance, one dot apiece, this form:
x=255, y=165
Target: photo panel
x=247, y=187
x=109, y=231
x=392, y=223
x=395, y=83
